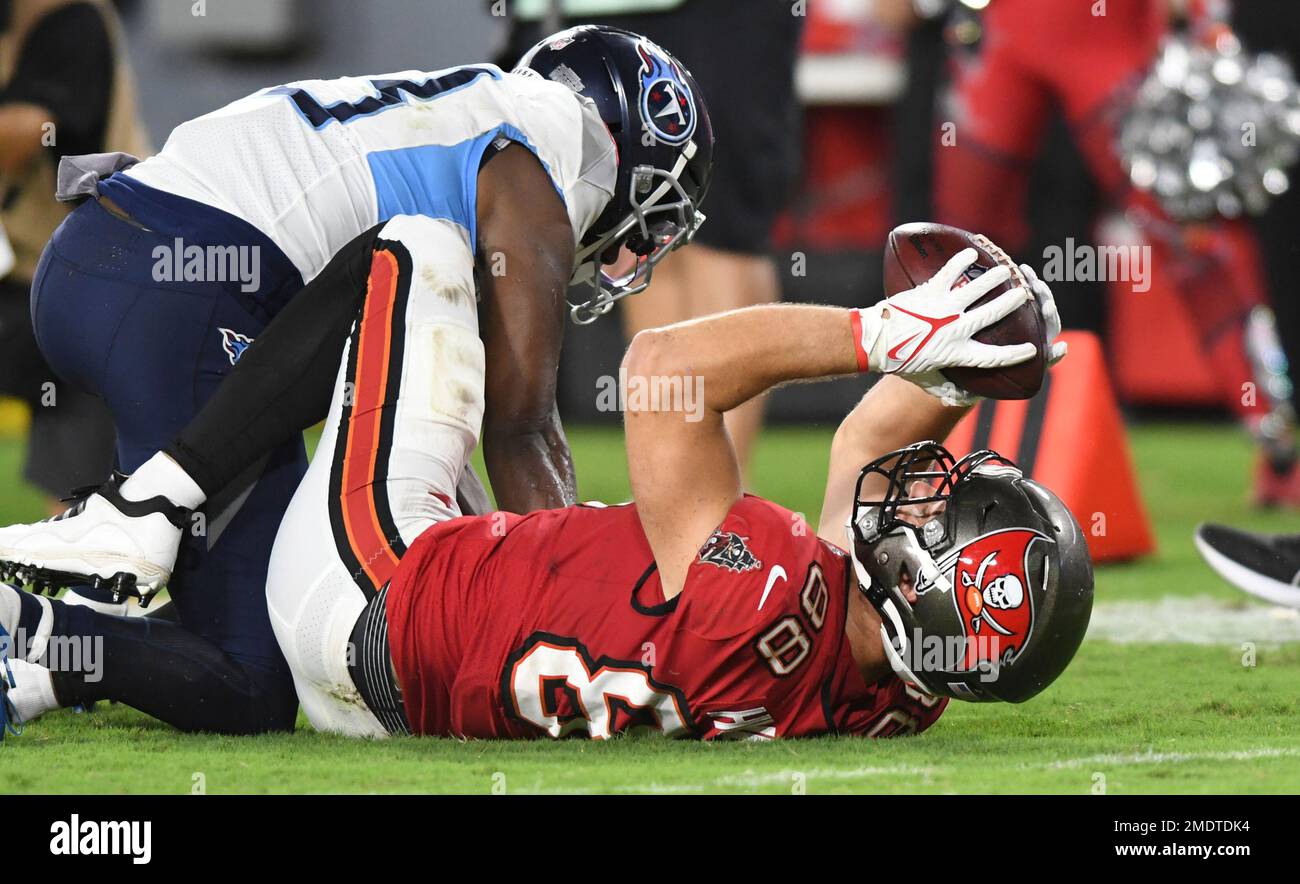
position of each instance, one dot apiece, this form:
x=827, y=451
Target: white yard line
x=1197, y=620
x=1133, y=758
x=750, y=778
x=660, y=789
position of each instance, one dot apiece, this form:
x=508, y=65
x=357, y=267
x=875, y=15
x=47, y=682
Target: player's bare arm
x=684, y=471
x=893, y=414
x=525, y=260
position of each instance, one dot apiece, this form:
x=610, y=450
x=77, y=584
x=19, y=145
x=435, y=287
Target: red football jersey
x=554, y=623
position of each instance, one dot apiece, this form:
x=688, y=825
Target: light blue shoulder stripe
x=439, y=180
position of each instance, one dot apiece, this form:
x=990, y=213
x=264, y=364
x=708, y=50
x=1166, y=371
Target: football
x=919, y=250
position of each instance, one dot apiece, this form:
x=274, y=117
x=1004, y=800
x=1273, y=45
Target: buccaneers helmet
x=996, y=569
x=657, y=117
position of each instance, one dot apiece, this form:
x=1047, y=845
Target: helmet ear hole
x=907, y=583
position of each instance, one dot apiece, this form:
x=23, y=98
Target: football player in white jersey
x=423, y=226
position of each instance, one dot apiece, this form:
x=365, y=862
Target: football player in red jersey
x=699, y=610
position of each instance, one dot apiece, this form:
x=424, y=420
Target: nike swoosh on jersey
x=777, y=573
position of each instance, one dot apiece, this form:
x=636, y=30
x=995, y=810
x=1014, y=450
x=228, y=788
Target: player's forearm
x=732, y=357
x=892, y=415
x=530, y=469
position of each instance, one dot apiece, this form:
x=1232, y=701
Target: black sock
x=29, y=618
x=161, y=669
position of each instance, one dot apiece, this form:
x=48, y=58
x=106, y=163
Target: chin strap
x=893, y=634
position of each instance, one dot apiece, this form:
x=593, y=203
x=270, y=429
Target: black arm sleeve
x=284, y=380
x=66, y=66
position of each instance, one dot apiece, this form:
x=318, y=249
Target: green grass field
x=1158, y=700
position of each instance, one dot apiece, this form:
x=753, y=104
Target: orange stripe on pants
x=374, y=342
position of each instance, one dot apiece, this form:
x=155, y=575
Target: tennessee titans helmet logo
x=234, y=344
x=667, y=104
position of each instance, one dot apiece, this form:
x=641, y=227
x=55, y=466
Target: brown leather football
x=917, y=251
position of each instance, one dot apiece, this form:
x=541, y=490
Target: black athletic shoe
x=1264, y=565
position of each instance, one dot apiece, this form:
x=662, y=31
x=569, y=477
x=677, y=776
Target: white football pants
x=405, y=417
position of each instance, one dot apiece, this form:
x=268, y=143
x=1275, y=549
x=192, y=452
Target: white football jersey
x=313, y=164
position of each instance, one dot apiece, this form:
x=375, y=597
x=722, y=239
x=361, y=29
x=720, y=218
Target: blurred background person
x=1267, y=565
x=743, y=52
x=1274, y=26
x=1013, y=64
x=65, y=89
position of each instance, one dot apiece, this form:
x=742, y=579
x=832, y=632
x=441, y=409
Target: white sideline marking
x=749, y=778
x=660, y=789
x=1197, y=621
x=752, y=780
x=1114, y=760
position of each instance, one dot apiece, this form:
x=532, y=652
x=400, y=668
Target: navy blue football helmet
x=657, y=117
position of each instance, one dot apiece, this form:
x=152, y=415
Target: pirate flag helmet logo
x=992, y=595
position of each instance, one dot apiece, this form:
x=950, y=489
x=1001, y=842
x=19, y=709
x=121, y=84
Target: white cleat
x=104, y=540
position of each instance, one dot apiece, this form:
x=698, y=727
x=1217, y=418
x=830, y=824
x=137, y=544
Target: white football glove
x=917, y=333
x=1056, y=350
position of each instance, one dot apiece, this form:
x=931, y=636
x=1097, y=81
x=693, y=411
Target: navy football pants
x=156, y=351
